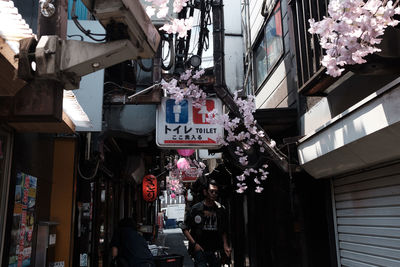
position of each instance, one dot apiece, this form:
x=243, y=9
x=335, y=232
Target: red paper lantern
x=150, y=188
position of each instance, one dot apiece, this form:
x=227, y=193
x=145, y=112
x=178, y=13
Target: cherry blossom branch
x=352, y=30
x=185, y=88
x=176, y=26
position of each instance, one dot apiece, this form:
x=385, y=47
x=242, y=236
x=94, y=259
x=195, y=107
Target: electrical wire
x=88, y=33
x=93, y=175
x=171, y=52
x=143, y=67
x=119, y=86
x=78, y=164
x=75, y=35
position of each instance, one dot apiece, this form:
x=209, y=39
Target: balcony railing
x=308, y=51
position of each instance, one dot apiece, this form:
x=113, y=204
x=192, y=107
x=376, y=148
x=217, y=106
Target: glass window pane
x=260, y=56
x=270, y=48
x=273, y=34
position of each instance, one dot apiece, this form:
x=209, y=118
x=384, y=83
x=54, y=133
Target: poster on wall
x=23, y=221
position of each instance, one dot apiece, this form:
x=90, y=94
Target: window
x=269, y=48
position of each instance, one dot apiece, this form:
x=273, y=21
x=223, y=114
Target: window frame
x=262, y=37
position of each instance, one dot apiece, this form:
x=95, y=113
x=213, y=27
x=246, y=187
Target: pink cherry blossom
x=259, y=189
x=179, y=5
x=352, y=30
x=180, y=26
x=150, y=11
x=185, y=88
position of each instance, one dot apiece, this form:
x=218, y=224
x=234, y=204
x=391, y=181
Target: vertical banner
x=23, y=221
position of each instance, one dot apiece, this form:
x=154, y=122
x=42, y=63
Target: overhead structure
x=129, y=34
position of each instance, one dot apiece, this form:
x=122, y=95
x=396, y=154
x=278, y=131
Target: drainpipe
x=223, y=92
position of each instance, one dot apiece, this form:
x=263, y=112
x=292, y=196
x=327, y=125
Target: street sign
x=182, y=125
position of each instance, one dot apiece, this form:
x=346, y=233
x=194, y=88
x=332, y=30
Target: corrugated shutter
x=368, y=217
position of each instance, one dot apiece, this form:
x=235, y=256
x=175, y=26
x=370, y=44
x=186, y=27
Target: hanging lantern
x=150, y=189
x=185, y=152
x=183, y=164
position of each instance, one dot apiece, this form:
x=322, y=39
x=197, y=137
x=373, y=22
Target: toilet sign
x=182, y=125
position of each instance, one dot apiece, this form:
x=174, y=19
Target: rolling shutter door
x=368, y=217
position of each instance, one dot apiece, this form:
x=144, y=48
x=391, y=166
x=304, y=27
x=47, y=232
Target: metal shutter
x=367, y=207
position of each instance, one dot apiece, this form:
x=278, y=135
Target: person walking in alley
x=128, y=247
x=205, y=228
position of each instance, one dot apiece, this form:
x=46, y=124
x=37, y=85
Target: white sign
x=209, y=154
x=182, y=125
x=52, y=239
x=176, y=211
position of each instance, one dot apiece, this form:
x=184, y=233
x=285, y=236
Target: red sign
x=200, y=115
x=150, y=188
x=189, y=175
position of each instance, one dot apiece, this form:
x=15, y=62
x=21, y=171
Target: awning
x=12, y=29
x=364, y=135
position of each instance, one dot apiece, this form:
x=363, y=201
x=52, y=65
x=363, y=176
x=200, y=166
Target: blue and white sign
x=181, y=125
x=177, y=113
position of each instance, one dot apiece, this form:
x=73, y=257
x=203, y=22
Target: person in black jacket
x=205, y=227
x=129, y=246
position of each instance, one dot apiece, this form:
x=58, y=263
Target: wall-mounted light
x=195, y=61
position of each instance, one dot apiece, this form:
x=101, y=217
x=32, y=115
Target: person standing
x=205, y=227
x=130, y=247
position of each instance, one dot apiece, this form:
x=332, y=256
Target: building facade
x=344, y=133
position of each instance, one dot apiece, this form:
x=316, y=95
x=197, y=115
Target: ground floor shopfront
x=38, y=179
x=367, y=216
x=359, y=153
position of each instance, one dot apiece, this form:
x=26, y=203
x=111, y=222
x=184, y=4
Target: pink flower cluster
x=179, y=26
x=160, y=5
x=174, y=180
x=179, y=5
x=185, y=88
x=160, y=8
x=246, y=139
x=352, y=30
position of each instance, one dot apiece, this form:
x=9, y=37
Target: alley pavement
x=177, y=243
